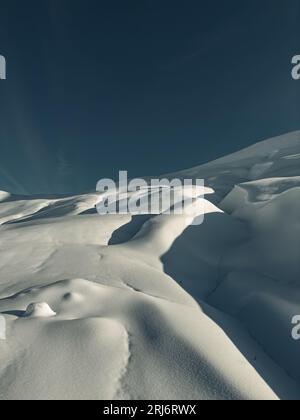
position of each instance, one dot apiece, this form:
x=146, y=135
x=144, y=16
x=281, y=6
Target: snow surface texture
x=121, y=307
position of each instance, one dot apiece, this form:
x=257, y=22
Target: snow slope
x=121, y=307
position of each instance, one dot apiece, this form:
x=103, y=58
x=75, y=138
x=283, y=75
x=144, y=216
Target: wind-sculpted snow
x=154, y=307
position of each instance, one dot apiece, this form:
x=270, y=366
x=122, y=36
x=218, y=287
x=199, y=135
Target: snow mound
x=39, y=310
x=4, y=195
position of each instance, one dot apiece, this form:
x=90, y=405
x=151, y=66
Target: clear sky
x=148, y=86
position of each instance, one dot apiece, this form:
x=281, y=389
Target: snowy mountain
x=121, y=307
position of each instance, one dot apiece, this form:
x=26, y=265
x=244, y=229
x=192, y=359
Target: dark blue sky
x=150, y=86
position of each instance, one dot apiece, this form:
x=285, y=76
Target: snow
x=121, y=307
x=39, y=310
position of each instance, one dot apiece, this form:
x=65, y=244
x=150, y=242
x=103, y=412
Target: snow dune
x=121, y=307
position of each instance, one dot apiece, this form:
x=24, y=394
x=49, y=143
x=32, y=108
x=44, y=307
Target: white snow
x=39, y=310
x=121, y=307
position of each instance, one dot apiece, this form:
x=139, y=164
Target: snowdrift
x=121, y=307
